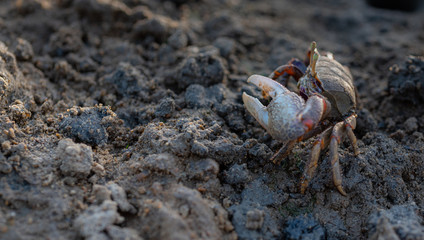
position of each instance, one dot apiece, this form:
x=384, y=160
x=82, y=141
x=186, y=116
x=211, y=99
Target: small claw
x=340, y=188
x=268, y=85
x=255, y=107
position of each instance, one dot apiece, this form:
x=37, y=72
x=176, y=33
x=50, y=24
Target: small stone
x=70, y=181
x=76, y=158
x=11, y=133
x=411, y=124
x=6, y=146
x=255, y=219
x=156, y=188
x=101, y=193
x=165, y=108
x=184, y=210
x=98, y=169
x=178, y=39
x=47, y=180
x=120, y=197
x=237, y=174
x=398, y=135
x=18, y=111
x=23, y=50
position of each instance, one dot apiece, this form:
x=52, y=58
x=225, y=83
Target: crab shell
x=337, y=83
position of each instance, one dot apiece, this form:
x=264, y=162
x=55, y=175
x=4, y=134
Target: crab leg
x=350, y=124
x=290, y=70
x=321, y=143
x=314, y=132
x=334, y=156
x=295, y=67
x=283, y=152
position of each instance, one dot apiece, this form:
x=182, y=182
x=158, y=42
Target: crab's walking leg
x=314, y=132
x=294, y=68
x=283, y=152
x=320, y=143
x=350, y=124
x=336, y=136
x=289, y=70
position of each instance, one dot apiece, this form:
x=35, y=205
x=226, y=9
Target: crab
x=324, y=107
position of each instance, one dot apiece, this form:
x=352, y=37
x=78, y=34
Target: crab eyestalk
x=312, y=50
x=314, y=63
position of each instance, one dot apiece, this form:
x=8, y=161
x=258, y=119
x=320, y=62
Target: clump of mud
x=406, y=81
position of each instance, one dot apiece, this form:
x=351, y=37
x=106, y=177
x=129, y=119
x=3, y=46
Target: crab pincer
x=288, y=116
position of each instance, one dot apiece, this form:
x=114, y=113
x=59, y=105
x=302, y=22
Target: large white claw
x=255, y=107
x=268, y=85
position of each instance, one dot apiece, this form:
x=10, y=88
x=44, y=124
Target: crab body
x=337, y=85
x=326, y=92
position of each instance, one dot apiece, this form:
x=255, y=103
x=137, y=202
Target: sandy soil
x=124, y=120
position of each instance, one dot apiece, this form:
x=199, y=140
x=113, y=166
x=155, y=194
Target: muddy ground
x=124, y=120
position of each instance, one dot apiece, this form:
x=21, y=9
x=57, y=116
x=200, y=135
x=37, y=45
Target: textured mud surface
x=124, y=120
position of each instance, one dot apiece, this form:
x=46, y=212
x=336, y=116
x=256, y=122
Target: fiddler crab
x=325, y=106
